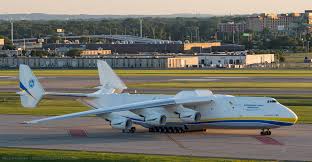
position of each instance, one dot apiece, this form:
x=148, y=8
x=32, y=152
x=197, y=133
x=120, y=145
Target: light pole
x=12, y=31
x=141, y=27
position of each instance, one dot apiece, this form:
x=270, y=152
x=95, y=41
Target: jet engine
x=156, y=119
x=153, y=116
x=121, y=123
x=188, y=115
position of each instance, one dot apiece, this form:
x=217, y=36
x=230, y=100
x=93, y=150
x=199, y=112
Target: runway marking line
x=77, y=133
x=267, y=140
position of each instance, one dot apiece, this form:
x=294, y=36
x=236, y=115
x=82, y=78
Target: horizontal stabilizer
x=108, y=78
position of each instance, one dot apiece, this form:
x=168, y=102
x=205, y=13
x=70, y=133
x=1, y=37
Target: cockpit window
x=272, y=101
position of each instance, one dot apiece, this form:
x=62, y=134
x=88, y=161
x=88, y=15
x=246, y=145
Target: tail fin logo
x=31, y=83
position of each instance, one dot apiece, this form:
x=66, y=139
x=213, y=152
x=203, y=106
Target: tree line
x=191, y=29
x=195, y=29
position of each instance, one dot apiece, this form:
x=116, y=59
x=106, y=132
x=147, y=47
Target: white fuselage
x=224, y=112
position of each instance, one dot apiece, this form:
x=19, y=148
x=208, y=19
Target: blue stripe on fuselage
x=278, y=123
x=247, y=121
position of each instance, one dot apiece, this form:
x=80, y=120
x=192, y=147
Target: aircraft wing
x=127, y=107
x=67, y=94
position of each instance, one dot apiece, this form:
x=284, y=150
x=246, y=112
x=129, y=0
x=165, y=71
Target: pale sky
x=148, y=7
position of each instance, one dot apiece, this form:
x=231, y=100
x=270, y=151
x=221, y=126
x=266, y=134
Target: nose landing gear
x=131, y=130
x=265, y=132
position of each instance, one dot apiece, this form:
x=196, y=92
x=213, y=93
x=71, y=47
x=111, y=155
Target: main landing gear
x=131, y=130
x=265, y=132
x=168, y=129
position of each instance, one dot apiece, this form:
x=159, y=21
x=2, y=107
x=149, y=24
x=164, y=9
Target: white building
x=1, y=43
x=226, y=60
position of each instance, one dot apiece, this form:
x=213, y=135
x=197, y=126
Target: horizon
x=160, y=7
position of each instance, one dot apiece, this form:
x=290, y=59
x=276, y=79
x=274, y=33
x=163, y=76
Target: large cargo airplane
x=185, y=111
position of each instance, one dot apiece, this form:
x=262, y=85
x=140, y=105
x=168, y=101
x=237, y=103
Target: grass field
x=296, y=57
x=210, y=72
x=222, y=85
x=10, y=104
x=29, y=155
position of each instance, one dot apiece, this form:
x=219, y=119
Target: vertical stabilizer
x=32, y=90
x=110, y=82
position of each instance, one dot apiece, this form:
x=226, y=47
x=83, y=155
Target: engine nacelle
x=121, y=123
x=188, y=115
x=153, y=116
x=156, y=119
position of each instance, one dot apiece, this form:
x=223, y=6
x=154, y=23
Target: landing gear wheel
x=265, y=133
x=268, y=132
x=132, y=130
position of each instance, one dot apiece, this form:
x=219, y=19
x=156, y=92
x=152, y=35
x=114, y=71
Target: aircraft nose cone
x=296, y=117
x=293, y=116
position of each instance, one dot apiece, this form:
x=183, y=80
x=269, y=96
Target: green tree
x=7, y=43
x=282, y=59
x=73, y=53
x=38, y=53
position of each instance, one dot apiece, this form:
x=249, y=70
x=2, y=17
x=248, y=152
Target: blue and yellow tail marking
x=23, y=88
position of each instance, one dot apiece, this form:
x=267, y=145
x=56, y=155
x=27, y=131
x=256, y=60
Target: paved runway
x=174, y=78
x=87, y=84
x=93, y=134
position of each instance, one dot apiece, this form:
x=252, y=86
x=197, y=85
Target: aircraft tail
x=110, y=82
x=32, y=90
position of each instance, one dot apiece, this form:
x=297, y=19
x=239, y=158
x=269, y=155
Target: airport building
x=1, y=43
x=95, y=53
x=135, y=48
x=239, y=60
x=148, y=62
x=10, y=53
x=204, y=60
